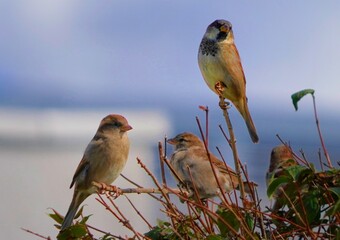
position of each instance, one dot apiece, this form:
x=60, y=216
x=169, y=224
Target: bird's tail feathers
x=244, y=110
x=77, y=199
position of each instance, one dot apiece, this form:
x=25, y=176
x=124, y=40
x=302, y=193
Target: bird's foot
x=219, y=87
x=108, y=189
x=115, y=192
x=223, y=104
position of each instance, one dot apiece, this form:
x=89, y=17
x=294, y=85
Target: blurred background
x=65, y=64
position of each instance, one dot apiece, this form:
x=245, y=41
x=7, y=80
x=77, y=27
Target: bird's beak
x=224, y=29
x=171, y=141
x=126, y=128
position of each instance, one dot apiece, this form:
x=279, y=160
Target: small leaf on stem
x=298, y=95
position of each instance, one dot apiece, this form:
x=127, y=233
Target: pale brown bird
x=220, y=65
x=190, y=155
x=103, y=161
x=281, y=157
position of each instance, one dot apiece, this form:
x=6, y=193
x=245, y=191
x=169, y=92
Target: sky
x=144, y=53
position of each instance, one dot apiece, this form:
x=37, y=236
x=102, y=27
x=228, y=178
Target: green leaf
x=56, y=216
x=214, y=237
x=336, y=191
x=296, y=97
x=84, y=220
x=77, y=231
x=312, y=207
x=228, y=217
x=297, y=172
x=250, y=221
x=107, y=237
x=80, y=212
x=155, y=233
x=334, y=209
x=275, y=184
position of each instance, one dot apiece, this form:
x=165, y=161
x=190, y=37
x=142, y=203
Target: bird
x=103, y=160
x=281, y=157
x=221, y=68
x=190, y=162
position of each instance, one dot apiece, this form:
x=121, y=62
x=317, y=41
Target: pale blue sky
x=93, y=53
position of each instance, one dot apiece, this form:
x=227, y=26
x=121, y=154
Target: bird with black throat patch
x=221, y=68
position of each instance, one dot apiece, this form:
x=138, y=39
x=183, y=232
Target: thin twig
x=224, y=199
x=120, y=191
x=320, y=134
x=198, y=199
x=138, y=212
x=120, y=218
x=193, y=224
x=36, y=234
x=168, y=202
x=139, y=186
x=233, y=144
x=103, y=232
x=161, y=162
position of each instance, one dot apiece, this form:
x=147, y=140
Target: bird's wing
x=233, y=62
x=82, y=167
x=222, y=167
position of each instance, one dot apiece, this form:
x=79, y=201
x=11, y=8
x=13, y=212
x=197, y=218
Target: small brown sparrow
x=220, y=65
x=281, y=158
x=103, y=161
x=190, y=162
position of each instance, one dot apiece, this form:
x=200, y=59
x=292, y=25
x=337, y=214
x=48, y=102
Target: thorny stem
x=138, y=212
x=170, y=167
x=260, y=214
x=103, y=232
x=299, y=159
x=207, y=227
x=233, y=145
x=193, y=223
x=292, y=205
x=161, y=162
x=320, y=135
x=167, y=199
x=211, y=164
x=120, y=191
x=233, y=185
x=234, y=149
x=36, y=234
x=213, y=214
x=206, y=110
x=120, y=218
x=303, y=210
x=139, y=186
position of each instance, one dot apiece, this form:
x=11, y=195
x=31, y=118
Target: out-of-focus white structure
x=39, y=152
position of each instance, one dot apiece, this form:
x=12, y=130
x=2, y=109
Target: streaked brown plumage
x=220, y=64
x=281, y=157
x=103, y=161
x=189, y=152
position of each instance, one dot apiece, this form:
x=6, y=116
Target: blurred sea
x=40, y=149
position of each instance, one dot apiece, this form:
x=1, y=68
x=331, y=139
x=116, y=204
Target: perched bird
x=221, y=67
x=190, y=162
x=281, y=158
x=103, y=161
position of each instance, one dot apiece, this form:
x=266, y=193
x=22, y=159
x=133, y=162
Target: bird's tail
x=77, y=199
x=242, y=107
